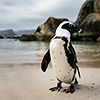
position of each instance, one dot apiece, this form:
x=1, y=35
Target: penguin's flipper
x=72, y=60
x=72, y=50
x=45, y=61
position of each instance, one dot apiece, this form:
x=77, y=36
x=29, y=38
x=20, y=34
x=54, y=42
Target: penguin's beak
x=80, y=30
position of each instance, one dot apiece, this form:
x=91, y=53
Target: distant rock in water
x=89, y=20
x=27, y=37
x=46, y=31
x=1, y=37
x=8, y=33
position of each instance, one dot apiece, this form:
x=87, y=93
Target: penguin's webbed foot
x=56, y=88
x=70, y=90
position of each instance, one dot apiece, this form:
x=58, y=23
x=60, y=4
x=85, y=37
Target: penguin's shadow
x=81, y=88
x=86, y=87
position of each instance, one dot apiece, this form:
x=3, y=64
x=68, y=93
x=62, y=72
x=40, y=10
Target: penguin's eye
x=71, y=25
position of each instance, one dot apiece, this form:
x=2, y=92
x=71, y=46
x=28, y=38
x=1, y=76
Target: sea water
x=15, y=51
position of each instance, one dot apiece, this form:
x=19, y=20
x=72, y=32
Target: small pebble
x=93, y=83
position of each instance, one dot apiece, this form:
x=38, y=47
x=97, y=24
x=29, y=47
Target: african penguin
x=62, y=56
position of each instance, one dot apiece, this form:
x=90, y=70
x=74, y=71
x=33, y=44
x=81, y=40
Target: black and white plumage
x=63, y=56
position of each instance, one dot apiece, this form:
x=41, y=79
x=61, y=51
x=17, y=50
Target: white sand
x=28, y=82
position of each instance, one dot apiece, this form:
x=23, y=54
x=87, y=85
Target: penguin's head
x=67, y=28
x=71, y=27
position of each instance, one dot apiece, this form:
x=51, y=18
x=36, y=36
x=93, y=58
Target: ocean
x=16, y=52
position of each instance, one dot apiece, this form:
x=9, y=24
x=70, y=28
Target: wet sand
x=28, y=82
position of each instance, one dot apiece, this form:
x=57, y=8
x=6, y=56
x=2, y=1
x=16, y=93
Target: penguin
x=62, y=55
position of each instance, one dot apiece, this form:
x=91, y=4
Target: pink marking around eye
x=71, y=25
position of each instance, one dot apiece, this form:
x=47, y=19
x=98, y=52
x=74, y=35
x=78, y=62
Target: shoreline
x=81, y=64
x=28, y=82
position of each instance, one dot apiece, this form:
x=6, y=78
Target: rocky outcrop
x=28, y=37
x=89, y=20
x=47, y=30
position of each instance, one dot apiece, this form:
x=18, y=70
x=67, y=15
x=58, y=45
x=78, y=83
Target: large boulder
x=89, y=20
x=87, y=8
x=46, y=31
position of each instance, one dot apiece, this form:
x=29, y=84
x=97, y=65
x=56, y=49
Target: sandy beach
x=28, y=82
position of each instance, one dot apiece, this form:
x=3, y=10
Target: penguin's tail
x=78, y=71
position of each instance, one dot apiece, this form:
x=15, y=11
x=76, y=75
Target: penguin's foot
x=70, y=90
x=56, y=88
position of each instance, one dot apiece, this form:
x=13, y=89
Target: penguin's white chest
x=62, y=69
